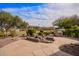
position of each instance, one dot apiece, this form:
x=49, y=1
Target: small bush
x=31, y=32
x=13, y=33
x=72, y=32
x=46, y=33
x=41, y=33
x=2, y=34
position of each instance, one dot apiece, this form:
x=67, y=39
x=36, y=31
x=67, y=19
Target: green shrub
x=13, y=33
x=2, y=34
x=31, y=32
x=76, y=33
x=46, y=33
x=41, y=33
x=72, y=32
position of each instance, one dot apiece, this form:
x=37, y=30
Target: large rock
x=33, y=39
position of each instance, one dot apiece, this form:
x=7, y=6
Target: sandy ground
x=28, y=48
x=6, y=41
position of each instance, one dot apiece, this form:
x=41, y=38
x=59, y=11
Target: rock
x=33, y=39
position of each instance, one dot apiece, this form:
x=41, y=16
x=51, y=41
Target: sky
x=41, y=14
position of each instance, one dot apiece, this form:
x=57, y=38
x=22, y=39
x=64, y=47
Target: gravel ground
x=28, y=48
x=6, y=41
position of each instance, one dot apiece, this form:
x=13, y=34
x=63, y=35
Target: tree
x=8, y=21
x=70, y=24
x=67, y=22
x=24, y=25
x=5, y=20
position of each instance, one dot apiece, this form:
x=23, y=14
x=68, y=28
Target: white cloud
x=46, y=14
x=40, y=23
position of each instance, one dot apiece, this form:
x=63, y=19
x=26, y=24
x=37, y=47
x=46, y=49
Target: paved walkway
x=28, y=48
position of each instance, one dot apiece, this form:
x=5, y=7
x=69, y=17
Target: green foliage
x=46, y=33
x=13, y=33
x=2, y=34
x=67, y=22
x=9, y=21
x=17, y=22
x=72, y=32
x=70, y=24
x=75, y=30
x=31, y=32
x=40, y=33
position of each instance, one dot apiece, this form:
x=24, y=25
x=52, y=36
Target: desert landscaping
x=28, y=32
x=27, y=48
